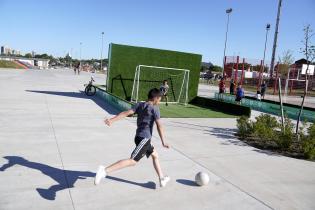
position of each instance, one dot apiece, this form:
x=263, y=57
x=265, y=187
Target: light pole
x=102, y=52
x=228, y=12
x=80, y=54
x=71, y=58
x=267, y=30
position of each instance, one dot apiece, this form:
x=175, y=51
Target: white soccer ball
x=202, y=178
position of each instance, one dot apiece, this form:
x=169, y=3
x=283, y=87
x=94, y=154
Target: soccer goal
x=148, y=77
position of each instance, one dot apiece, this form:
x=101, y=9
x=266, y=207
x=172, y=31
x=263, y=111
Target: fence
x=268, y=107
x=251, y=72
x=118, y=103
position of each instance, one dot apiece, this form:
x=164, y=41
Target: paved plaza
x=52, y=138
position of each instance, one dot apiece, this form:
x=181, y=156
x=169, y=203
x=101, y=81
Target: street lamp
x=267, y=30
x=102, y=51
x=228, y=12
x=80, y=54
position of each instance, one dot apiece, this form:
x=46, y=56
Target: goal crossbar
x=161, y=67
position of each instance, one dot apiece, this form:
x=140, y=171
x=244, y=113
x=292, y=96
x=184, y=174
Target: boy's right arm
x=120, y=116
x=161, y=133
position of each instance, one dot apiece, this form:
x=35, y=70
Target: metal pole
x=281, y=105
x=80, y=55
x=102, y=53
x=236, y=71
x=260, y=75
x=71, y=58
x=228, y=11
x=266, y=39
x=243, y=68
x=275, y=39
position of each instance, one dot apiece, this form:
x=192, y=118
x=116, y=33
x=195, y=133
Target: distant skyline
x=57, y=27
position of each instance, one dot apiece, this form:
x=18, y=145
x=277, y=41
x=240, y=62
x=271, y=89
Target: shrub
x=286, y=136
x=245, y=127
x=266, y=132
x=265, y=127
x=308, y=143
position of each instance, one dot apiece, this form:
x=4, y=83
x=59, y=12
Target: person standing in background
x=232, y=86
x=263, y=88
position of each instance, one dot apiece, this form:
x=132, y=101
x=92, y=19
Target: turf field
x=190, y=111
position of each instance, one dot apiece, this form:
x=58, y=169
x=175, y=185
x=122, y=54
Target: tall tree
x=285, y=60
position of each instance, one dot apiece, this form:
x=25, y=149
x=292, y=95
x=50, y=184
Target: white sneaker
x=164, y=180
x=100, y=174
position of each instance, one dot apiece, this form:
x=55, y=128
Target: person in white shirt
x=258, y=95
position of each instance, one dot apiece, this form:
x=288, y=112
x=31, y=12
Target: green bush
x=267, y=132
x=245, y=127
x=265, y=127
x=286, y=136
x=308, y=143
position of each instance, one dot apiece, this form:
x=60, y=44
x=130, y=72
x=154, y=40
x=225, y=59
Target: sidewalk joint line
x=59, y=153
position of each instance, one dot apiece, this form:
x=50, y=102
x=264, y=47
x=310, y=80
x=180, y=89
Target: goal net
x=148, y=77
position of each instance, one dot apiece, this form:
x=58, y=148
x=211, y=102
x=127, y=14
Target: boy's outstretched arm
x=120, y=116
x=161, y=133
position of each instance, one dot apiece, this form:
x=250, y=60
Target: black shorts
x=238, y=99
x=143, y=147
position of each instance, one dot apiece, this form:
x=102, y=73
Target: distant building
x=8, y=51
x=5, y=50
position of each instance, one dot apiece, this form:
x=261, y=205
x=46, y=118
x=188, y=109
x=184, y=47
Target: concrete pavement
x=53, y=138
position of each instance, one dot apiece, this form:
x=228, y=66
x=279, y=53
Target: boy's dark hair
x=153, y=93
x=164, y=80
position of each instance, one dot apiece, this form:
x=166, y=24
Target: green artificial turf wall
x=124, y=59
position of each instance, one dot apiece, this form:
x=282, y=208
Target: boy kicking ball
x=148, y=112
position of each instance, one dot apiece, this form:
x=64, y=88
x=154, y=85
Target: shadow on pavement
x=149, y=185
x=106, y=107
x=187, y=182
x=224, y=133
x=65, y=178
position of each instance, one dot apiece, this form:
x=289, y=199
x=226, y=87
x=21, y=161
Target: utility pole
x=71, y=57
x=275, y=40
x=102, y=52
x=80, y=54
x=228, y=12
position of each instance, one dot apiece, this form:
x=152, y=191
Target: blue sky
x=198, y=26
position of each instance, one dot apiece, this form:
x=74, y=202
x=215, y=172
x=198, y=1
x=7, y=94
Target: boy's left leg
x=120, y=164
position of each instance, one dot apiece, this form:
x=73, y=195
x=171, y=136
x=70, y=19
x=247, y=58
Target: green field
x=190, y=111
x=9, y=64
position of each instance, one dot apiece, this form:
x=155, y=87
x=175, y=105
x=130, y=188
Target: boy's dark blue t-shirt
x=147, y=114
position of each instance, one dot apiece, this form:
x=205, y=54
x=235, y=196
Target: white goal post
x=147, y=77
